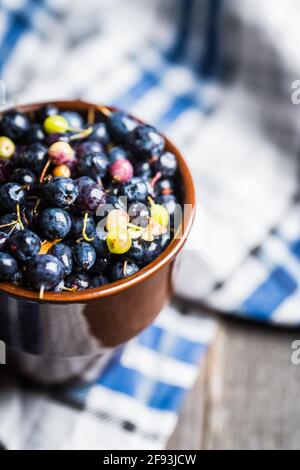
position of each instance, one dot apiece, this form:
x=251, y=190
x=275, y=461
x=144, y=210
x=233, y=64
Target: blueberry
x=164, y=186
x=99, y=243
x=142, y=169
x=64, y=253
x=84, y=181
x=137, y=251
x=135, y=190
x=3, y=240
x=84, y=255
x=100, y=133
x=153, y=249
x=24, y=245
x=46, y=111
x=93, y=164
x=35, y=134
x=77, y=226
x=122, y=269
x=120, y=124
x=44, y=271
x=88, y=147
x=14, y=125
x=17, y=278
x=166, y=164
x=8, y=266
x=35, y=157
x=54, y=223
x=24, y=176
x=12, y=194
x=145, y=142
x=91, y=197
x=117, y=153
x=98, y=281
x=169, y=201
x=75, y=120
x=116, y=201
x=102, y=264
x=139, y=214
x=77, y=281
x=61, y=192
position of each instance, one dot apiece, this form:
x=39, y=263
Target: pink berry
x=121, y=170
x=61, y=153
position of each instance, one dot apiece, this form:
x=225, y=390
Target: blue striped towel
x=213, y=76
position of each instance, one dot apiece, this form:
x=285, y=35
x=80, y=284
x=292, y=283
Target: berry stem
x=91, y=116
x=41, y=293
x=10, y=224
x=86, y=214
x=155, y=179
x=43, y=174
x=124, y=267
x=19, y=216
x=104, y=110
x=82, y=134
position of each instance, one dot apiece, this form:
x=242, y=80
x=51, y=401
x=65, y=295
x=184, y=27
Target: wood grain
x=247, y=395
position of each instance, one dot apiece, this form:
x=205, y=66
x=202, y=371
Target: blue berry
x=93, y=164
x=77, y=226
x=91, y=197
x=145, y=142
x=120, y=125
x=77, y=281
x=122, y=269
x=24, y=177
x=12, y=194
x=44, y=271
x=63, y=252
x=54, y=223
x=24, y=245
x=61, y=192
x=3, y=240
x=100, y=133
x=117, y=153
x=15, y=125
x=135, y=190
x=102, y=264
x=75, y=120
x=46, y=111
x=35, y=134
x=35, y=157
x=137, y=251
x=98, y=281
x=8, y=266
x=166, y=164
x=142, y=169
x=84, y=255
x=139, y=214
x=89, y=146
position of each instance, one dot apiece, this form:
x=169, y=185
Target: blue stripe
x=178, y=49
x=19, y=23
x=210, y=61
x=295, y=248
x=267, y=297
x=129, y=381
x=179, y=105
x=181, y=349
x=147, y=81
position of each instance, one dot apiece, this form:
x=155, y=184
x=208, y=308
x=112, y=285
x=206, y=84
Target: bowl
x=72, y=334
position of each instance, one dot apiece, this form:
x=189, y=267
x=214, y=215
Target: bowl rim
x=148, y=271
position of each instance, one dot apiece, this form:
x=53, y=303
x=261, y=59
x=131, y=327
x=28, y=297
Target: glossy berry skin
x=54, y=223
x=63, y=252
x=153, y=249
x=61, y=192
x=142, y=169
x=117, y=153
x=35, y=157
x=54, y=137
x=139, y=214
x=88, y=147
x=84, y=255
x=77, y=226
x=99, y=243
x=17, y=278
x=84, y=181
x=24, y=177
x=24, y=245
x=91, y=197
x=121, y=170
x=119, y=271
x=116, y=201
x=10, y=220
x=12, y=194
x=135, y=190
x=8, y=266
x=169, y=201
x=166, y=164
x=44, y=271
x=3, y=240
x=93, y=164
x=137, y=251
x=75, y=120
x=56, y=124
x=120, y=125
x=145, y=142
x=35, y=134
x=77, y=281
x=99, y=281
x=102, y=264
x=15, y=125
x=46, y=111
x=164, y=186
x=100, y=133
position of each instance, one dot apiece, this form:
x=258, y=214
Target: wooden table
x=247, y=395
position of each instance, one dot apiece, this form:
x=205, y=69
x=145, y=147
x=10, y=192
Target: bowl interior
x=186, y=188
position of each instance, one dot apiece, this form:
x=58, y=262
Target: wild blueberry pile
x=84, y=199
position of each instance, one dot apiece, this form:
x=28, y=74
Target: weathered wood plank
x=247, y=397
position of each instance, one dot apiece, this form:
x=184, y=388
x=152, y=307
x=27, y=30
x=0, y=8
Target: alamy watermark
x=295, y=356
x=2, y=353
x=295, y=95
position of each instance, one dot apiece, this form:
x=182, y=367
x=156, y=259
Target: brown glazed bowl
x=69, y=335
